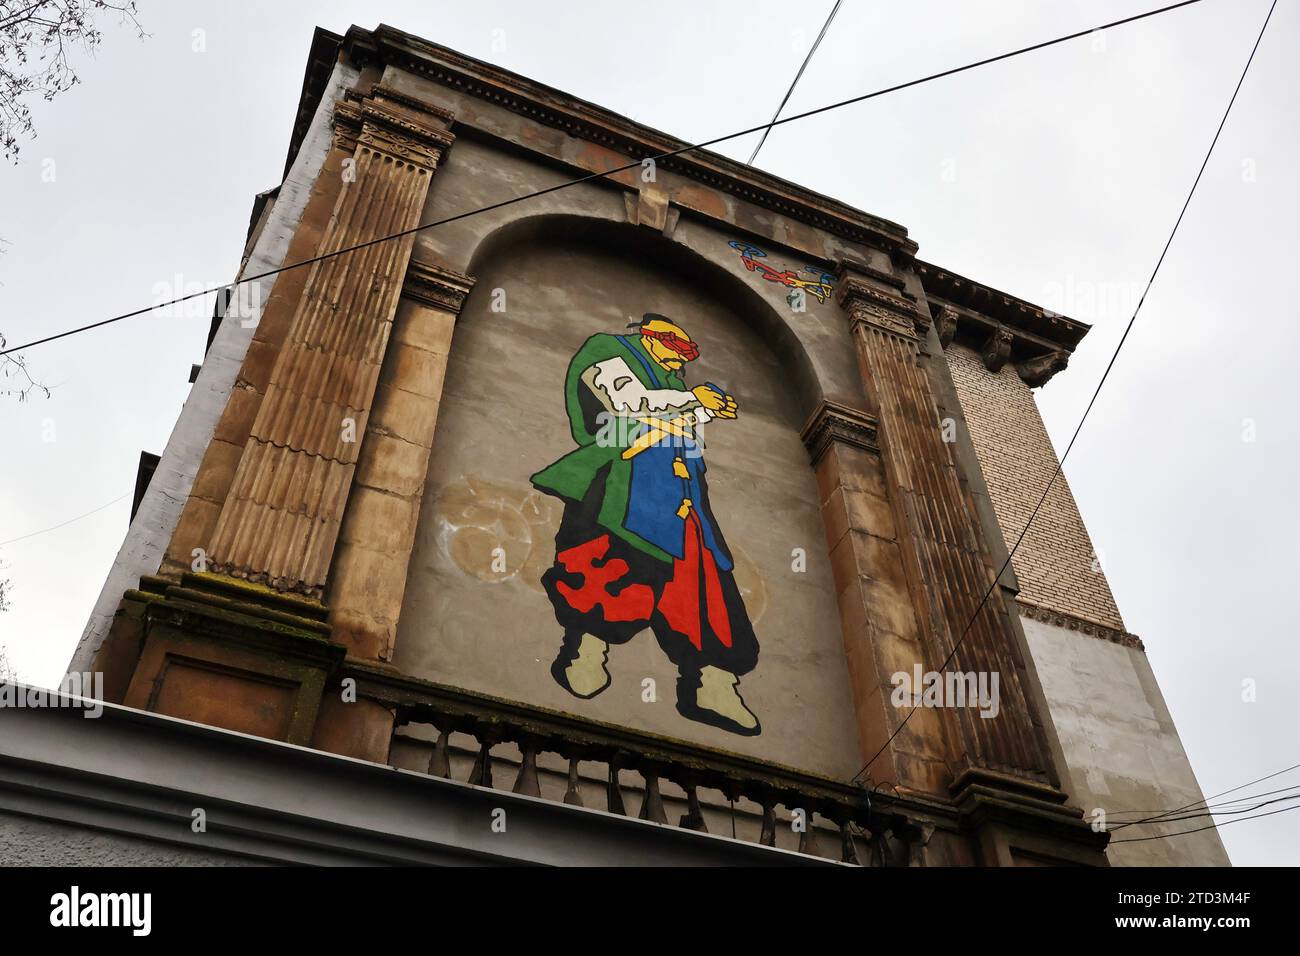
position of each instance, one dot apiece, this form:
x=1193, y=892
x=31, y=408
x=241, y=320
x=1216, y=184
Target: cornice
x=1036, y=359
x=1008, y=309
x=1001, y=327
x=1073, y=622
x=550, y=107
x=321, y=59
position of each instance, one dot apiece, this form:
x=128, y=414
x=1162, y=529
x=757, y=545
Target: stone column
x=256, y=654
x=877, y=615
x=281, y=518
x=945, y=558
x=368, y=580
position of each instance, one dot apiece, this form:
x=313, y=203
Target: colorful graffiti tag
x=821, y=287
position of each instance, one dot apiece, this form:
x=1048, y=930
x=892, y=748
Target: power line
x=1106, y=374
x=1197, y=803
x=1228, y=813
x=1212, y=826
x=64, y=523
x=1164, y=818
x=636, y=164
x=803, y=66
x=1160, y=814
x=1205, y=805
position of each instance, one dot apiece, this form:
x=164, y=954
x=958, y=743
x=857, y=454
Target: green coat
x=571, y=476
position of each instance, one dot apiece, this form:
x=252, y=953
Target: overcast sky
x=1055, y=177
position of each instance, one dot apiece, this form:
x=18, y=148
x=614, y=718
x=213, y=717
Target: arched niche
x=677, y=264
x=475, y=614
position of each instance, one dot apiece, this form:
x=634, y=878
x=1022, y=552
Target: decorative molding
x=1072, y=622
x=393, y=124
x=946, y=324
x=437, y=287
x=997, y=350
x=396, y=96
x=1035, y=360
x=866, y=303
x=1036, y=329
x=833, y=422
x=921, y=322
x=347, y=126
x=1040, y=369
x=417, y=150
x=548, y=107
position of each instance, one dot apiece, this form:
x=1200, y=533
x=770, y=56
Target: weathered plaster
x=1122, y=747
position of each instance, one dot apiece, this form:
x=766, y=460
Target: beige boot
x=581, y=670
x=717, y=702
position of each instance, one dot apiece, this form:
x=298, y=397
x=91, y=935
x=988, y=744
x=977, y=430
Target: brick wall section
x=1055, y=561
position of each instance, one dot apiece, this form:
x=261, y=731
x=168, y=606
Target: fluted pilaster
x=282, y=515
x=948, y=562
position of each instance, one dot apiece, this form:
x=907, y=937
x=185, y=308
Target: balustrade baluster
x=767, y=836
x=808, y=839
x=440, y=760
x=652, y=807
x=481, y=774
x=693, y=818
x=572, y=796
x=614, y=795
x=848, y=850
x=527, y=782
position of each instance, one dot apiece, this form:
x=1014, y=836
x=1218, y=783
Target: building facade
x=675, y=496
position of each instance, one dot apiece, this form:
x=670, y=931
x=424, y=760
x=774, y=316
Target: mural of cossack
x=638, y=546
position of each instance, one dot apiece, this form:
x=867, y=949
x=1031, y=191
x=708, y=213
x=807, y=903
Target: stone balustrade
x=490, y=742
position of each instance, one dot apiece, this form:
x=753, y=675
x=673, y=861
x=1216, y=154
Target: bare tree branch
x=8, y=673
x=35, y=36
x=15, y=379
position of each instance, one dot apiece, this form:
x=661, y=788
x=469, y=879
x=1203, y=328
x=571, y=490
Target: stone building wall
x=420, y=553
x=1119, y=740
x=1056, y=564
x=1122, y=747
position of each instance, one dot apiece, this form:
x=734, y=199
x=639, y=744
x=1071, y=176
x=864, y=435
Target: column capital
x=394, y=124
x=833, y=422
x=867, y=302
x=436, y=286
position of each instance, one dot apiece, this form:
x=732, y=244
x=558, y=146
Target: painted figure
x=638, y=546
